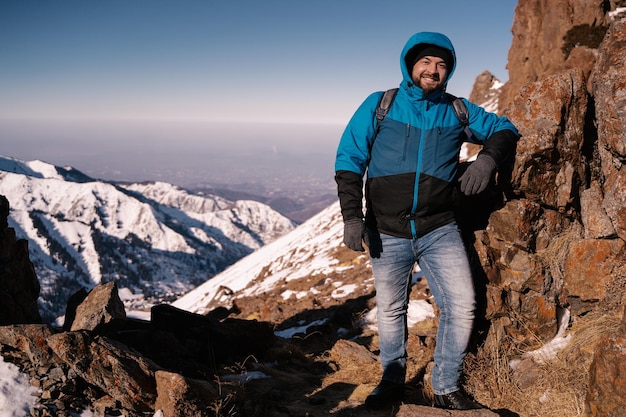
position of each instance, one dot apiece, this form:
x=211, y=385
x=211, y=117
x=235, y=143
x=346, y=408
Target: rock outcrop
x=122, y=366
x=559, y=242
x=486, y=90
x=550, y=36
x=570, y=160
x=19, y=287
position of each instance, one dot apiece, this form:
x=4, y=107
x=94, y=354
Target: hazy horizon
x=276, y=157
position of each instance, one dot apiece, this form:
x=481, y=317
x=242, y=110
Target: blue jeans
x=443, y=259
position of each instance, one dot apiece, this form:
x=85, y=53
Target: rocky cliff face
x=550, y=36
x=559, y=242
x=570, y=160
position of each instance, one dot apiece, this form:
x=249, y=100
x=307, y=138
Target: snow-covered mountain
x=155, y=240
x=312, y=250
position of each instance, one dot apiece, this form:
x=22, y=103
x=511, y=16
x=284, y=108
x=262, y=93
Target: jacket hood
x=416, y=43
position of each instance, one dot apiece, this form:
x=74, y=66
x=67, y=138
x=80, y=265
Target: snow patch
x=16, y=393
x=418, y=310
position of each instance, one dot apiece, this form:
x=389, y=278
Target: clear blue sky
x=228, y=60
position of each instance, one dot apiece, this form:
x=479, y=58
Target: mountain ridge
x=155, y=238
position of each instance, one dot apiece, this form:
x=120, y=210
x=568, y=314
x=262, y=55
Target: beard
x=429, y=82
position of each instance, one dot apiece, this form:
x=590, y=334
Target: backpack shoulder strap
x=460, y=109
x=381, y=110
x=385, y=103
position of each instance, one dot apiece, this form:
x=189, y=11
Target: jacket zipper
x=418, y=169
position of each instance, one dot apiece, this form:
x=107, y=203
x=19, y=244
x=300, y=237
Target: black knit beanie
x=427, y=49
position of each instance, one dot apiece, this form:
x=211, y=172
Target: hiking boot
x=384, y=394
x=457, y=400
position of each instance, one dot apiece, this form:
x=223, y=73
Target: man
x=412, y=160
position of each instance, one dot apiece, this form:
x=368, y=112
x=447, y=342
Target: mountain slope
x=310, y=251
x=155, y=239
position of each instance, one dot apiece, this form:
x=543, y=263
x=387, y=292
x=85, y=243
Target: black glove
x=354, y=233
x=476, y=177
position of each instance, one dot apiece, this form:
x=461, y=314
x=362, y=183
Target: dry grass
x=554, y=389
x=554, y=255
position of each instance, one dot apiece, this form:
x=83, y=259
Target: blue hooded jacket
x=412, y=161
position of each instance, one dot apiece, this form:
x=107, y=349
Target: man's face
x=429, y=73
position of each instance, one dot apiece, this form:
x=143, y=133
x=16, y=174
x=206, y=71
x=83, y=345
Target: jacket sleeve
x=353, y=155
x=496, y=133
x=501, y=146
x=350, y=192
